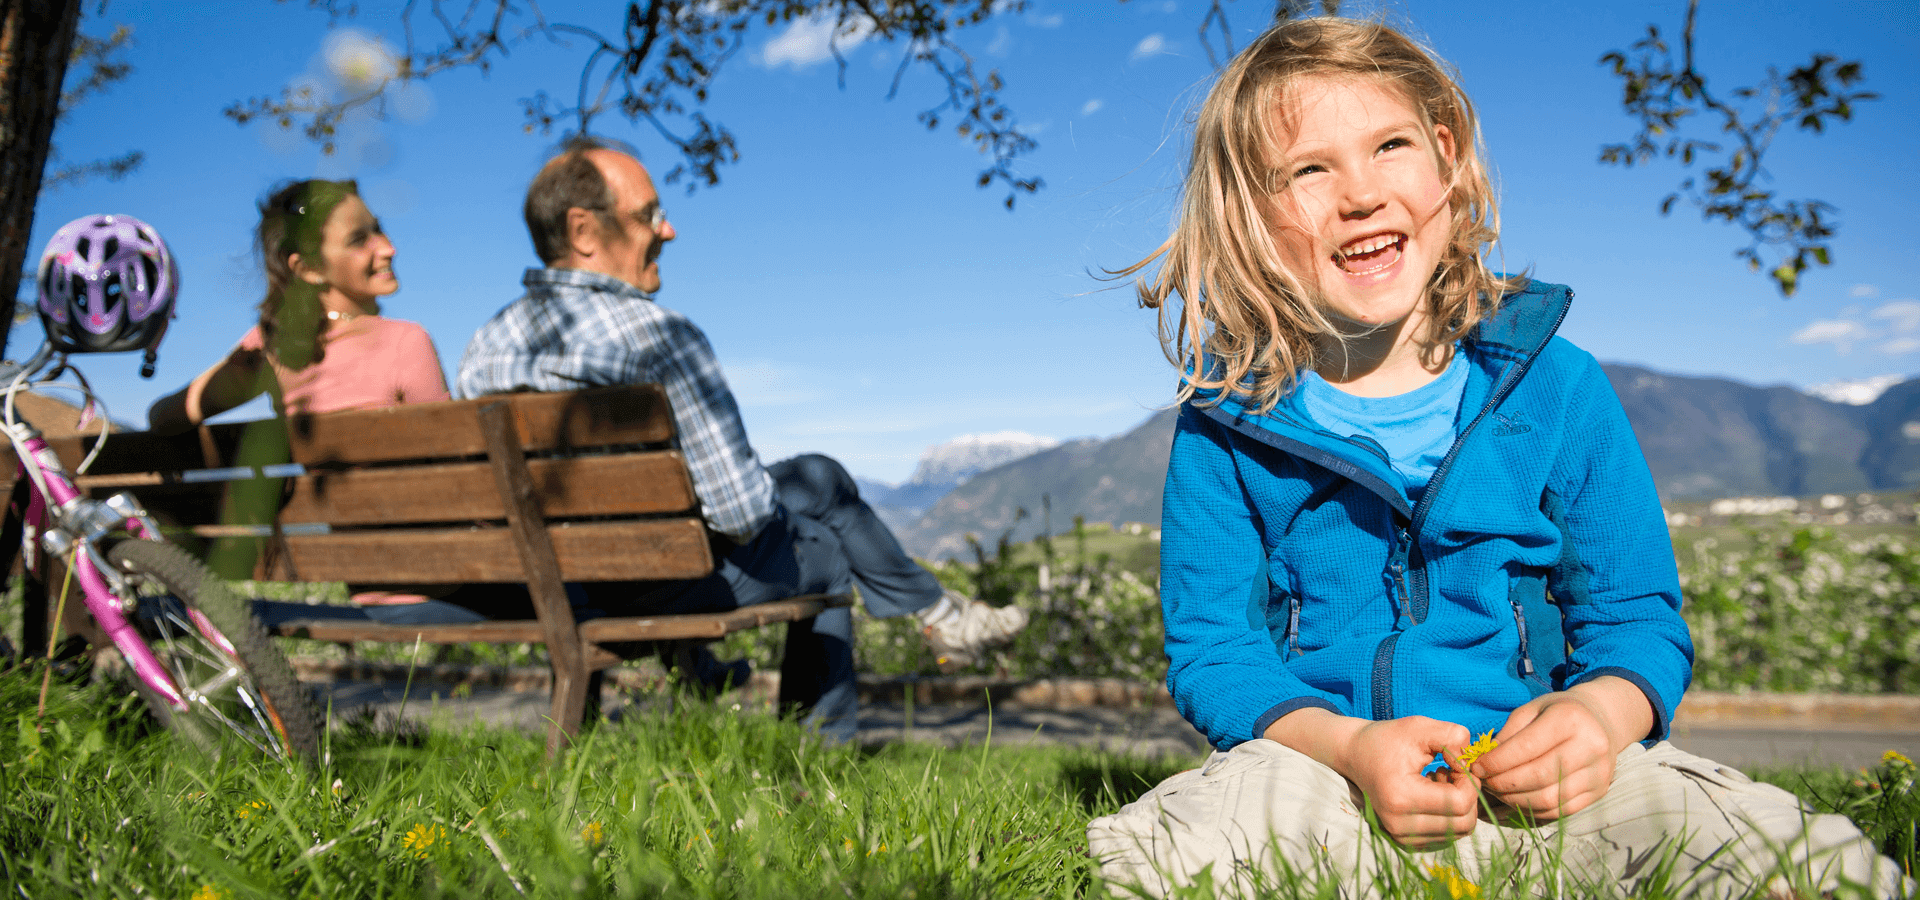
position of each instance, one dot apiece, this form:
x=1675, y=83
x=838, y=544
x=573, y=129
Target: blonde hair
x=1246, y=324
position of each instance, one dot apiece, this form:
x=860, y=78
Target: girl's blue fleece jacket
x=1294, y=572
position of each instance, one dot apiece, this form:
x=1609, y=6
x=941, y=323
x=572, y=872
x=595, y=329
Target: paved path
x=1768, y=738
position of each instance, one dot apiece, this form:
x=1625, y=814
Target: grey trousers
x=1263, y=814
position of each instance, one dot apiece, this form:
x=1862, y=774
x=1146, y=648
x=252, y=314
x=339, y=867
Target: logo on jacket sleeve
x=1508, y=426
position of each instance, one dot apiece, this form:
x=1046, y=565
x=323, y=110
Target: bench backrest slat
x=546, y=423
x=588, y=551
x=628, y=484
x=601, y=454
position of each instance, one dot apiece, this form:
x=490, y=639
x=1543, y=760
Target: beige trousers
x=1262, y=815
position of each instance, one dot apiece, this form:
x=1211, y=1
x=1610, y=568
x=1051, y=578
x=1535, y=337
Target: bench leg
x=596, y=696
x=569, y=705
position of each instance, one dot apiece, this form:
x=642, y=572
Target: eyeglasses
x=652, y=218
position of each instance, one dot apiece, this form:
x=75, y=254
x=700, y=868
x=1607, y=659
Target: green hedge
x=1803, y=609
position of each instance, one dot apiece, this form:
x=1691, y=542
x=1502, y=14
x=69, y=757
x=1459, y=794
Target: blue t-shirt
x=1416, y=428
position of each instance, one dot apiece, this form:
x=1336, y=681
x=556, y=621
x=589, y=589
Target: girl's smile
x=1362, y=212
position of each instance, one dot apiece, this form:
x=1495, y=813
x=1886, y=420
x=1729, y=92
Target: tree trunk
x=36, y=41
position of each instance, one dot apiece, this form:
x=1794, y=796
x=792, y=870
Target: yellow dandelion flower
x=848, y=845
x=251, y=808
x=880, y=849
x=209, y=892
x=1473, y=751
x=1896, y=758
x=421, y=838
x=1456, y=885
x=593, y=835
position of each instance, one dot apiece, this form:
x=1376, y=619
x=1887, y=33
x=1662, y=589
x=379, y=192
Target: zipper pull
x=1526, y=659
x=1293, y=625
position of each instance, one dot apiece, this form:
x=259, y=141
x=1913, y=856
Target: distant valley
x=1704, y=438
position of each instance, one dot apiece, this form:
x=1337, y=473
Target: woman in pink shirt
x=321, y=344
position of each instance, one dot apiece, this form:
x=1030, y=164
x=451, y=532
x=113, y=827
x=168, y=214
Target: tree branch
x=664, y=60
x=1663, y=98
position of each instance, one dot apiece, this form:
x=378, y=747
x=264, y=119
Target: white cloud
x=1892, y=328
x=811, y=40
x=1151, y=45
x=1839, y=332
x=1863, y=290
x=1091, y=107
x=1902, y=315
x=1052, y=21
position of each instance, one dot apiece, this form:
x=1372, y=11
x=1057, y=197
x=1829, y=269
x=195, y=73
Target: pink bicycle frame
x=99, y=596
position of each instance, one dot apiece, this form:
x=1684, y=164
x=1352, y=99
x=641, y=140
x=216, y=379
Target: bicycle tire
x=249, y=692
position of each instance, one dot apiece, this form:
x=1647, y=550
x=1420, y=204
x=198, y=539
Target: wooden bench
x=539, y=489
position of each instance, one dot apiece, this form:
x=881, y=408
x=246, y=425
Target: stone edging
x=1710, y=708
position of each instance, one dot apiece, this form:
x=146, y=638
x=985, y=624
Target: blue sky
x=868, y=301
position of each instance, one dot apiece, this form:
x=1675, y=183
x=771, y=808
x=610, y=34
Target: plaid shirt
x=577, y=329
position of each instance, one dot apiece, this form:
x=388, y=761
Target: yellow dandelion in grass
x=1475, y=750
x=1896, y=758
x=209, y=892
x=251, y=808
x=880, y=849
x=1450, y=884
x=422, y=838
x=848, y=845
x=593, y=835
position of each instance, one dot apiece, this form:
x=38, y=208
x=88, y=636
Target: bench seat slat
x=587, y=551
x=654, y=482
x=708, y=625
x=622, y=628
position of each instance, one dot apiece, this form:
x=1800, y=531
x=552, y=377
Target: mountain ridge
x=1703, y=437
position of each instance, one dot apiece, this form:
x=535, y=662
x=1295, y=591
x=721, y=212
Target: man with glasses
x=795, y=527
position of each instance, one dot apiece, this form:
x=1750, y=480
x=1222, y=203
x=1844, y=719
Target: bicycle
x=202, y=663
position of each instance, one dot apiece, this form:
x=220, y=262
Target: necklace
x=339, y=316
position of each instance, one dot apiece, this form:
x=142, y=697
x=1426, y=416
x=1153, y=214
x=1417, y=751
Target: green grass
x=707, y=803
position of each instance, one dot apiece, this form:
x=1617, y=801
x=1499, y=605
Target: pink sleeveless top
x=366, y=362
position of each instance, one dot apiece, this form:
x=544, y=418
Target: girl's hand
x=1384, y=759
x=1556, y=753
x=1421, y=813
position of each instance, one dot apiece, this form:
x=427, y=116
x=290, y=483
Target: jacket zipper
x=1507, y=384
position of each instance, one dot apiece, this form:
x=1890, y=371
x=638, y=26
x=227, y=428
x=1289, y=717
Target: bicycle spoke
x=223, y=681
x=217, y=656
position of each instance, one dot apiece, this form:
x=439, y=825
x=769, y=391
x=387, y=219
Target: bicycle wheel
x=237, y=684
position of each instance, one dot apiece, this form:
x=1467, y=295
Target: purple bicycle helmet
x=107, y=284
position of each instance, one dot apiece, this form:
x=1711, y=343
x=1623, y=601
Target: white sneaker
x=960, y=637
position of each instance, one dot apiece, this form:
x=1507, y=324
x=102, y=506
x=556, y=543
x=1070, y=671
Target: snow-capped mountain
x=1856, y=392
x=944, y=467
x=963, y=457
